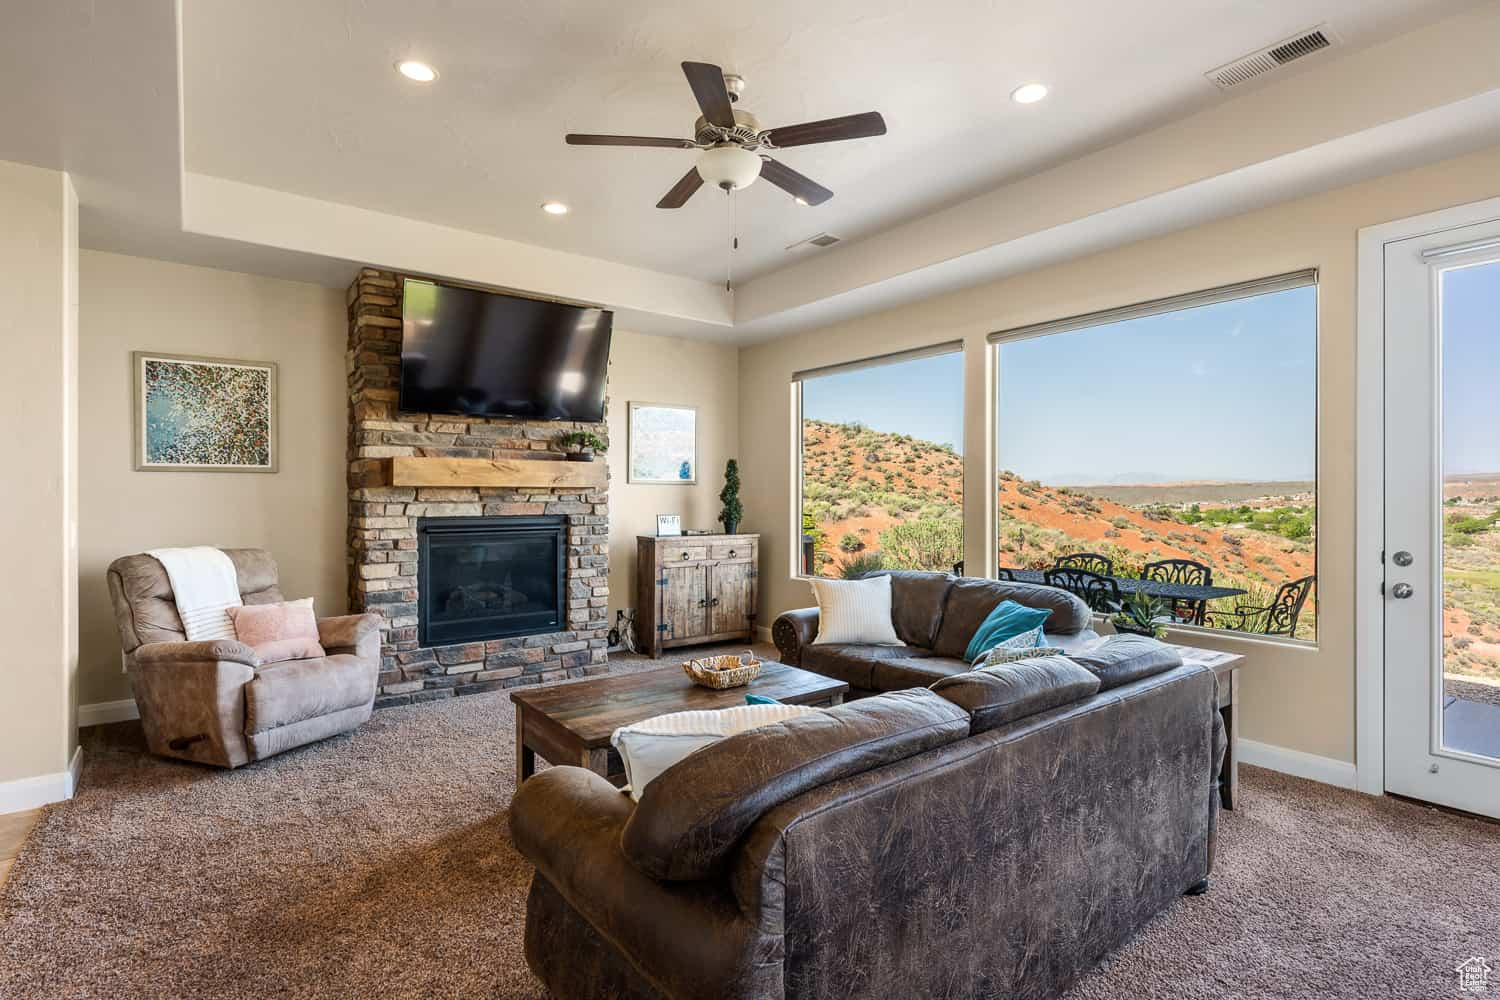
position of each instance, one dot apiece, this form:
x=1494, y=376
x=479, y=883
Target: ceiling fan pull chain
x=734, y=244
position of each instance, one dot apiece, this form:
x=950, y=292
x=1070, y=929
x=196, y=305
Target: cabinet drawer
x=676, y=555
x=742, y=550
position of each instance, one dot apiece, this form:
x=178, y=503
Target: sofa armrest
x=203, y=651
x=350, y=633
x=793, y=630
x=688, y=939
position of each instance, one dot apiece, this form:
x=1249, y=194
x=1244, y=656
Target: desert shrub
x=862, y=564
x=930, y=543
x=850, y=542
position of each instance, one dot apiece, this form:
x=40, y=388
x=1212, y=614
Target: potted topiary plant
x=1141, y=614
x=581, y=445
x=730, y=497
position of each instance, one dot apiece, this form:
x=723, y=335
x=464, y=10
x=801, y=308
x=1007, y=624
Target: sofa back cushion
x=970, y=600
x=146, y=609
x=994, y=696
x=1120, y=659
x=693, y=814
x=917, y=598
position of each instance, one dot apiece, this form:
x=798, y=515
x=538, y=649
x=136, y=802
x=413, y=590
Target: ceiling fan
x=732, y=141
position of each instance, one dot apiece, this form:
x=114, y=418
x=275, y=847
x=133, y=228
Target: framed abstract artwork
x=204, y=414
x=663, y=444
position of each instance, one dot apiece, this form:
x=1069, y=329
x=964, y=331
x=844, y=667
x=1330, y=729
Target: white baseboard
x=33, y=793
x=1339, y=773
x=102, y=712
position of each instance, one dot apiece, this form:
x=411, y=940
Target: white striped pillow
x=651, y=746
x=857, y=611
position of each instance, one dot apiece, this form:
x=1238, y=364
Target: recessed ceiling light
x=1029, y=93
x=418, y=71
x=554, y=208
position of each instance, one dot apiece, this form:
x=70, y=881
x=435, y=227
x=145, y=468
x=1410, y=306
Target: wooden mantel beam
x=498, y=472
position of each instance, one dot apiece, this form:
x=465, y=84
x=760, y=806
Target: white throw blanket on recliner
x=204, y=586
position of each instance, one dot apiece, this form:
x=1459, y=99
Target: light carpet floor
x=380, y=864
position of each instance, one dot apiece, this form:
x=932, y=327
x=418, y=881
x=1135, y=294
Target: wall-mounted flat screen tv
x=486, y=354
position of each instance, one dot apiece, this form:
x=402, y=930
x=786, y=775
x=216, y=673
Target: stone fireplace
x=480, y=586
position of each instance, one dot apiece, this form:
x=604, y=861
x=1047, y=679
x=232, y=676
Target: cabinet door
x=733, y=601
x=684, y=601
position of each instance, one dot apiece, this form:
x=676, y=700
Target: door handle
x=1401, y=591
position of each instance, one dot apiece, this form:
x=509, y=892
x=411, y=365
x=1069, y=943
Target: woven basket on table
x=722, y=672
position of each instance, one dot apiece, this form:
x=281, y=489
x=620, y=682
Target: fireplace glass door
x=489, y=577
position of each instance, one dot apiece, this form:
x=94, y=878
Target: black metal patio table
x=1130, y=585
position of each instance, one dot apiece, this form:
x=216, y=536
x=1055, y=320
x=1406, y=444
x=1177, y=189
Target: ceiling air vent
x=1258, y=64
x=820, y=240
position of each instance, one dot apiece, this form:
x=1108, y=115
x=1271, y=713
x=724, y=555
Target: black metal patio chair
x=1099, y=592
x=1280, y=615
x=1091, y=561
x=1184, y=571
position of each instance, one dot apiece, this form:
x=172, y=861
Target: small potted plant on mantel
x=1141, y=614
x=580, y=446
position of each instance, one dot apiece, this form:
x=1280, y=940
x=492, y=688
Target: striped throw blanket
x=205, y=588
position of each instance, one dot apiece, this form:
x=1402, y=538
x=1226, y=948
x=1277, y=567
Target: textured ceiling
x=301, y=96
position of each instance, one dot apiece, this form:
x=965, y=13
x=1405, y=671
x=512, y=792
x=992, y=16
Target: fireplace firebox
x=490, y=577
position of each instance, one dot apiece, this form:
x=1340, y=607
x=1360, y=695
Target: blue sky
x=923, y=398
x=1471, y=369
x=1220, y=392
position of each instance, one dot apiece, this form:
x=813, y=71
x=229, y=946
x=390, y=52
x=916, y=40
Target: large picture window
x=1168, y=448
x=881, y=464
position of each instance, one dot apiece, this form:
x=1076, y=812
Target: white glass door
x=1442, y=529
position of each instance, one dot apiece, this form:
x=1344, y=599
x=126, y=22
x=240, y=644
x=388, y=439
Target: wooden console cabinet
x=694, y=589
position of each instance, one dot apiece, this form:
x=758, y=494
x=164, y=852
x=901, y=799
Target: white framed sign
x=668, y=525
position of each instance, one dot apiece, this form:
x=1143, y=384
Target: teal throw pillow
x=1007, y=621
x=760, y=699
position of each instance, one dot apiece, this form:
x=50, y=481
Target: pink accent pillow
x=278, y=632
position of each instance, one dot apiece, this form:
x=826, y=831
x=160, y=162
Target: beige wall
x=38, y=281
x=1299, y=698
x=666, y=370
x=130, y=304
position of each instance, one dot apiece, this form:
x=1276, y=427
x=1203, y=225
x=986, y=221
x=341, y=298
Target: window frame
x=1302, y=278
x=872, y=361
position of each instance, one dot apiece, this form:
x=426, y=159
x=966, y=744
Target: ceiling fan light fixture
x=1029, y=93
x=554, y=208
x=728, y=167
x=417, y=71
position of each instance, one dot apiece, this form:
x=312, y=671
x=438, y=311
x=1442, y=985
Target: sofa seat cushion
x=854, y=663
x=1000, y=694
x=1120, y=659
x=692, y=817
x=915, y=672
x=285, y=693
x=970, y=601
x=917, y=598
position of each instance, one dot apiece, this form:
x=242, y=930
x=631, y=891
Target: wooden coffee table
x=572, y=723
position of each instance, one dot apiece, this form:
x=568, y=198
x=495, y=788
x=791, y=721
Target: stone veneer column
x=383, y=522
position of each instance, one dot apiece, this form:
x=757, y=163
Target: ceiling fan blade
x=793, y=183
x=828, y=130
x=575, y=139
x=707, y=81
x=682, y=190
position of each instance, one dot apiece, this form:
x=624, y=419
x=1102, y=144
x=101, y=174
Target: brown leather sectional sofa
x=992, y=836
x=935, y=614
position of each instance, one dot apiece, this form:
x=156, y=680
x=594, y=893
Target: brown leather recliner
x=210, y=701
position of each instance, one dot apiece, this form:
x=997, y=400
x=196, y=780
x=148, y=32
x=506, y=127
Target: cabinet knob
x=731, y=553
x=687, y=555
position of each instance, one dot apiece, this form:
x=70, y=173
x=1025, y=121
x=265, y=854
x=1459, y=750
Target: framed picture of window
x=663, y=444
x=196, y=414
